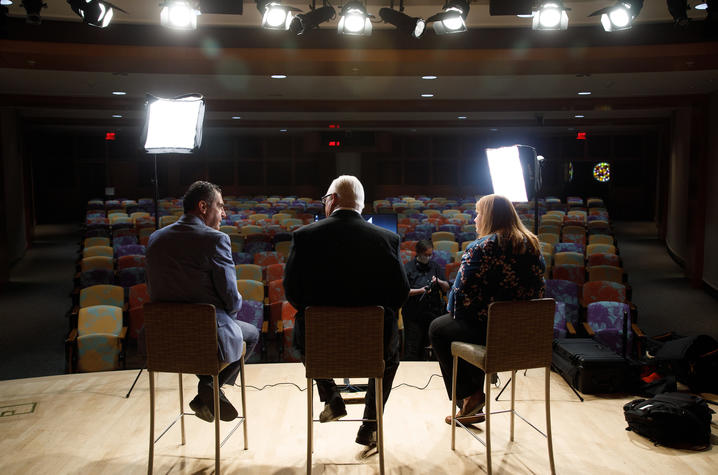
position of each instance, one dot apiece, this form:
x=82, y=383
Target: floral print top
x=490, y=273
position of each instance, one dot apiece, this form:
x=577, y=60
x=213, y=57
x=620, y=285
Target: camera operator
x=425, y=300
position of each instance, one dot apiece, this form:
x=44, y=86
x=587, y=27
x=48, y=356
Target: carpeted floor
x=33, y=304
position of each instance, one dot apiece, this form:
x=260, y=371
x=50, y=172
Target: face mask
x=423, y=259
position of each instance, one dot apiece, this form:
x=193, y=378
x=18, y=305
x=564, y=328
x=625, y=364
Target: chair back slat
x=519, y=335
x=181, y=338
x=344, y=342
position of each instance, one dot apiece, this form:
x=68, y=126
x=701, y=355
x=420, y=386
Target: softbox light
x=173, y=125
x=507, y=173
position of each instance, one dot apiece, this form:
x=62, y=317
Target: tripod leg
x=502, y=389
x=133, y=384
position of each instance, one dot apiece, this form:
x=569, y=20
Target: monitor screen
x=386, y=221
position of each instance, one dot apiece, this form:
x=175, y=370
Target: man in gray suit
x=191, y=261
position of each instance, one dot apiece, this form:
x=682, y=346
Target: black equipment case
x=589, y=366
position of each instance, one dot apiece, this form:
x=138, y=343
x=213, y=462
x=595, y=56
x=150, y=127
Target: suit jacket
x=344, y=261
x=190, y=262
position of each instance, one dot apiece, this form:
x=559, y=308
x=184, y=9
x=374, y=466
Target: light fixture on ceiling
x=584, y=93
x=179, y=14
x=551, y=15
x=312, y=19
x=5, y=3
x=411, y=26
x=698, y=6
x=32, y=10
x=429, y=77
x=619, y=16
x=354, y=20
x=94, y=12
x=679, y=11
x=452, y=19
x=119, y=93
x=275, y=16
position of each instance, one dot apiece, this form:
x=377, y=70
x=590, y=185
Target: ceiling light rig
x=354, y=20
x=275, y=16
x=179, y=14
x=303, y=22
x=32, y=9
x=619, y=16
x=94, y=12
x=679, y=11
x=452, y=19
x=551, y=15
x=411, y=26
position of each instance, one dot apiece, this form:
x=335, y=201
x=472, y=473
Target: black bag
x=590, y=367
x=693, y=360
x=672, y=419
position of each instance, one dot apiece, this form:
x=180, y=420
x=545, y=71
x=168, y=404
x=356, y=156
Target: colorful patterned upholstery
x=408, y=245
x=569, y=247
x=602, y=259
x=449, y=228
x=563, y=291
x=466, y=236
x=442, y=258
x=97, y=262
x=242, y=258
x=252, y=312
x=267, y=258
x=276, y=291
x=255, y=246
x=451, y=247
x=571, y=272
x=96, y=241
x=610, y=273
x=551, y=238
x=94, y=251
x=561, y=317
x=98, y=338
x=600, y=248
x=274, y=272
x=130, y=276
x=406, y=255
x=563, y=258
x=443, y=236
x=606, y=320
x=249, y=272
x=282, y=248
x=451, y=270
x=228, y=229
x=138, y=297
x=602, y=290
x=96, y=277
x=251, y=290
x=600, y=239
x=130, y=249
x=131, y=260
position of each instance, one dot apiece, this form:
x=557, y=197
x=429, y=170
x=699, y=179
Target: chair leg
x=548, y=420
x=244, y=401
x=215, y=388
x=487, y=410
x=310, y=417
x=453, y=402
x=513, y=401
x=152, y=423
x=380, y=422
x=181, y=401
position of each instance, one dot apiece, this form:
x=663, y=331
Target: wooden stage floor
x=82, y=423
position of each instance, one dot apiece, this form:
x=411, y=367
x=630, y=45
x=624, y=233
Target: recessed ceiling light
x=427, y=95
x=428, y=77
x=118, y=93
x=584, y=93
x=278, y=76
x=116, y=116
x=236, y=117
x=461, y=117
x=282, y=130
x=701, y=6
x=579, y=116
x=493, y=130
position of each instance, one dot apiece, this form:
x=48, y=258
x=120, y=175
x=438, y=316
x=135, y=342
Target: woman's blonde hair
x=497, y=215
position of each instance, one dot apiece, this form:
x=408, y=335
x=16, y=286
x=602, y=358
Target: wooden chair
x=519, y=336
x=182, y=338
x=334, y=348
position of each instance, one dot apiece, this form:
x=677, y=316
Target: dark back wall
x=70, y=167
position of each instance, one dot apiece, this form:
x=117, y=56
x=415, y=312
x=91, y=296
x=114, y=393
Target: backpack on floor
x=671, y=419
x=693, y=360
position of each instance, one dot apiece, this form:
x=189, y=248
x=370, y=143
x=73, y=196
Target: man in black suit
x=344, y=261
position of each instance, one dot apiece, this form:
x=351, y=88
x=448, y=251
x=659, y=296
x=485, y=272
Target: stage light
x=179, y=14
x=275, y=16
x=428, y=77
x=173, y=125
x=5, y=3
x=411, y=26
x=94, y=12
x=507, y=174
x=699, y=6
x=312, y=19
x=354, y=20
x=452, y=19
x=619, y=16
x=679, y=11
x=550, y=16
x=32, y=9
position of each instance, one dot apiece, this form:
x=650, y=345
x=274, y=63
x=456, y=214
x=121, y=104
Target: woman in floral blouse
x=504, y=263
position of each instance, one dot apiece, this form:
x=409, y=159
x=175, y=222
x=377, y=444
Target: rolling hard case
x=589, y=366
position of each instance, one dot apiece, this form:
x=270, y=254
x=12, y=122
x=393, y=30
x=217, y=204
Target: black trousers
x=328, y=390
x=442, y=332
x=417, y=318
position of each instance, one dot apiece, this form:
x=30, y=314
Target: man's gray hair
x=349, y=191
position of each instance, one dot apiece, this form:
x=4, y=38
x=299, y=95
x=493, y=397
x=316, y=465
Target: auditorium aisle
x=663, y=295
x=34, y=302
